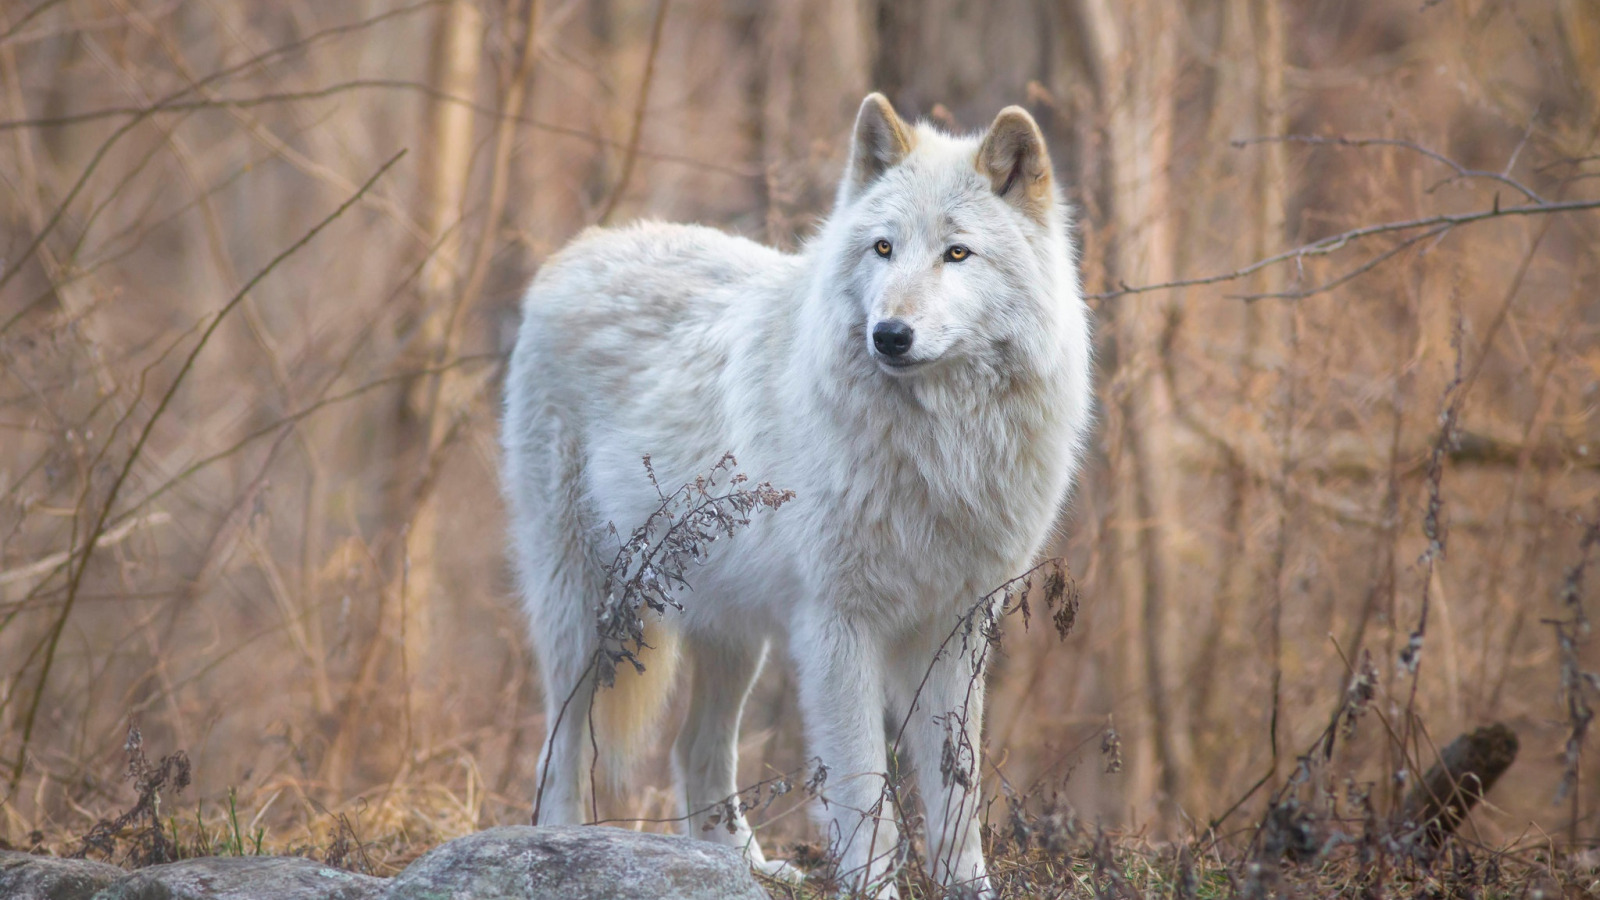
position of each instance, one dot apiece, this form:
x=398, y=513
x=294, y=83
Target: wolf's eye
x=883, y=248
x=956, y=253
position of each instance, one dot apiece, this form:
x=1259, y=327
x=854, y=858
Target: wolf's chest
x=935, y=515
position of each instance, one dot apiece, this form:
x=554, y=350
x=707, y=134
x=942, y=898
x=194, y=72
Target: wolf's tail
x=627, y=713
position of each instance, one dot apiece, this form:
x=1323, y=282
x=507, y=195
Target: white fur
x=916, y=492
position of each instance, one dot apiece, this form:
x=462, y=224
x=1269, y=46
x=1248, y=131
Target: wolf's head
x=947, y=248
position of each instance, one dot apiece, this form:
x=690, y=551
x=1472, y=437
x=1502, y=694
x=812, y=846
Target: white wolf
x=918, y=376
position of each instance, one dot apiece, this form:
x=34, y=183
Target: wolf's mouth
x=899, y=365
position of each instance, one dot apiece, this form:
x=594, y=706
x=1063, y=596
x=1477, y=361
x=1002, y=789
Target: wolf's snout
x=892, y=337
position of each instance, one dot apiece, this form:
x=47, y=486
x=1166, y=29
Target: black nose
x=891, y=337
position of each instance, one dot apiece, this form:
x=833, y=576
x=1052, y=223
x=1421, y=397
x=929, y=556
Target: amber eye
x=883, y=248
x=956, y=253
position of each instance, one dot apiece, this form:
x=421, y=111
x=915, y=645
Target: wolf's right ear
x=881, y=141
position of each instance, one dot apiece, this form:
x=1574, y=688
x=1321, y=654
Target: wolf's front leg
x=942, y=735
x=841, y=675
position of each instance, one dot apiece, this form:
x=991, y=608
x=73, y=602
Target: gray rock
x=244, y=878
x=24, y=876
x=576, y=862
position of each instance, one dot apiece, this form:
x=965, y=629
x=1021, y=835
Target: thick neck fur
x=971, y=456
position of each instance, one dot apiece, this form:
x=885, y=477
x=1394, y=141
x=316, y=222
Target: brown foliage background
x=286, y=560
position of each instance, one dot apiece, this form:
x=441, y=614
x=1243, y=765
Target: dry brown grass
x=249, y=503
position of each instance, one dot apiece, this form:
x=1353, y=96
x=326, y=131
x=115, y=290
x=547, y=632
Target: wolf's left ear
x=881, y=141
x=1016, y=163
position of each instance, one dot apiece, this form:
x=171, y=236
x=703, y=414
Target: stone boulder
x=578, y=862
x=244, y=878
x=24, y=876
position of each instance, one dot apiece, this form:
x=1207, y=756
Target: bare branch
x=361, y=84
x=172, y=101
x=76, y=579
x=1437, y=224
x=29, y=16
x=1460, y=170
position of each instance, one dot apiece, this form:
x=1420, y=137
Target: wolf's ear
x=881, y=141
x=1016, y=163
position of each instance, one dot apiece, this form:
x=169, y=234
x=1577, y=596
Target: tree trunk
x=1133, y=54
x=429, y=412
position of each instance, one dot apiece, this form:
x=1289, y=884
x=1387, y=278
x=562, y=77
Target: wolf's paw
x=779, y=870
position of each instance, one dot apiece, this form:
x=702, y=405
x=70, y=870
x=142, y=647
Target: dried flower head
x=652, y=565
x=1360, y=694
x=1111, y=748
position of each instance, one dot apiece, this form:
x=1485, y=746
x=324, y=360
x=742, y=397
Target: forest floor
x=1036, y=846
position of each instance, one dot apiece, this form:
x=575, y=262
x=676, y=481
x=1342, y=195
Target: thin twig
x=516, y=92
x=49, y=563
x=27, y=17
x=172, y=101
x=1337, y=242
x=1358, y=271
x=631, y=155
x=1434, y=529
x=360, y=84
x=323, y=401
x=76, y=578
x=1460, y=170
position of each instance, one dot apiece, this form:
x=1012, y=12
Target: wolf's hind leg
x=706, y=754
x=565, y=642
x=561, y=780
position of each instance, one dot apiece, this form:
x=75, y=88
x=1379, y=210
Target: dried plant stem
x=1576, y=684
x=1274, y=586
x=1510, y=535
x=1434, y=529
x=1253, y=58
x=75, y=577
x=1524, y=457
x=1380, y=592
x=1280, y=543
x=1008, y=598
x=555, y=726
x=651, y=565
